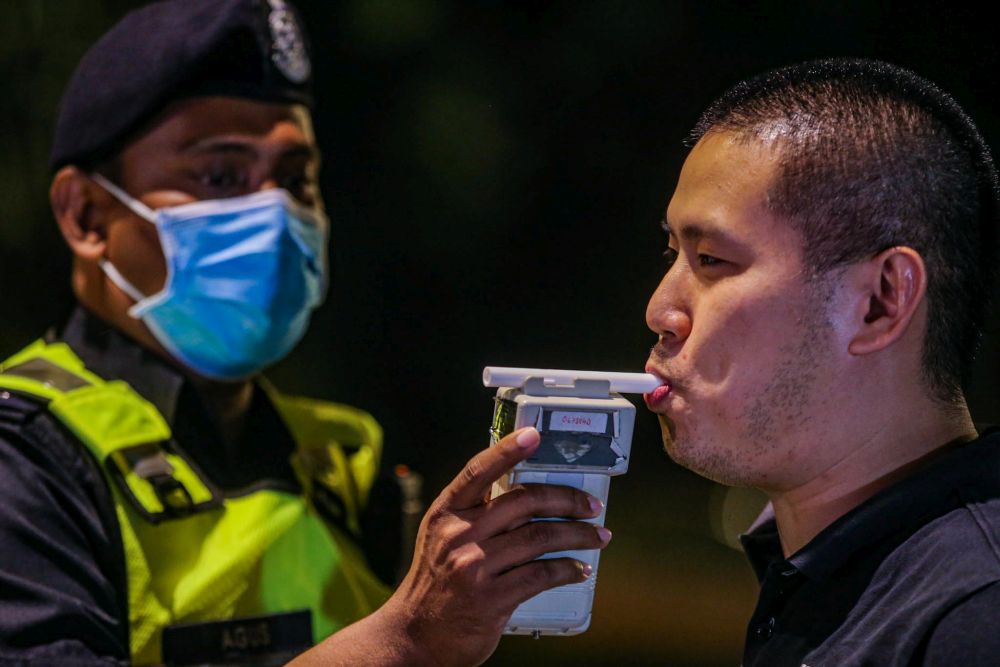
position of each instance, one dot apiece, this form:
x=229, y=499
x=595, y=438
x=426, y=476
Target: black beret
x=173, y=49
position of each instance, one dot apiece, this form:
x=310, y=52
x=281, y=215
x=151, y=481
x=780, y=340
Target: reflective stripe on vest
x=193, y=555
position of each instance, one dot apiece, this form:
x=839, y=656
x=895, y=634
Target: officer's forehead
x=192, y=120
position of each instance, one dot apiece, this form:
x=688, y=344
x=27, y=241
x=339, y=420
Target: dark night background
x=495, y=174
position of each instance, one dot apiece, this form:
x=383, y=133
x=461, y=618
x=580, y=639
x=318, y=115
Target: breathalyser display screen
x=576, y=438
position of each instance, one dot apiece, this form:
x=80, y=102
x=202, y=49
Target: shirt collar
x=761, y=542
x=962, y=475
x=266, y=441
x=114, y=356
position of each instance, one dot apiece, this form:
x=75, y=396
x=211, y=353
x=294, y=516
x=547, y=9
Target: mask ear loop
x=120, y=281
x=140, y=210
x=125, y=198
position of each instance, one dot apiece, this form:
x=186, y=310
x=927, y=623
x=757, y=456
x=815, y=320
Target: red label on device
x=585, y=422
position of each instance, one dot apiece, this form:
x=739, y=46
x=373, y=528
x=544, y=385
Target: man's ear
x=893, y=284
x=81, y=209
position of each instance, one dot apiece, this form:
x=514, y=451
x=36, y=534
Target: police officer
x=162, y=501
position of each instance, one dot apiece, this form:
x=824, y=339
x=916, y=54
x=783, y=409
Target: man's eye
x=708, y=260
x=223, y=179
x=671, y=256
x=300, y=183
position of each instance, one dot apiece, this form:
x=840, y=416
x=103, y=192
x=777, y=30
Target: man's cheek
x=721, y=356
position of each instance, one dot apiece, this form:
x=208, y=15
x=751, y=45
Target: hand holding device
x=586, y=437
x=474, y=560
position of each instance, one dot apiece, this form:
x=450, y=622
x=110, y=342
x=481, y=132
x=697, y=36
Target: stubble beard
x=773, y=415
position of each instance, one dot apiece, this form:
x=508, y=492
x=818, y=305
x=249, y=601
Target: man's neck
x=228, y=404
x=877, y=463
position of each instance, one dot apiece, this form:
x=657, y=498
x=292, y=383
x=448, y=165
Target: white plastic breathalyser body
x=586, y=438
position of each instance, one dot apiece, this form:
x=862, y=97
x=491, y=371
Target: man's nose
x=668, y=312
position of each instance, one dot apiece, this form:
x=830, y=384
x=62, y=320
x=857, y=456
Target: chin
x=709, y=460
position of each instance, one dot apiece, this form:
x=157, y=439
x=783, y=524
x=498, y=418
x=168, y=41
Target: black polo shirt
x=910, y=577
x=62, y=567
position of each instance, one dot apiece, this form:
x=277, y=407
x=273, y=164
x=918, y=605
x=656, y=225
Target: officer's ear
x=82, y=211
x=890, y=289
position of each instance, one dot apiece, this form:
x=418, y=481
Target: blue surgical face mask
x=243, y=276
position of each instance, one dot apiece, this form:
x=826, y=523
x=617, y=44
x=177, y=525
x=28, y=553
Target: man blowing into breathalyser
x=161, y=501
x=831, y=244
x=831, y=249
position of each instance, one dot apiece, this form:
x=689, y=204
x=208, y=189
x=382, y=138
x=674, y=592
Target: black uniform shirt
x=63, y=597
x=910, y=577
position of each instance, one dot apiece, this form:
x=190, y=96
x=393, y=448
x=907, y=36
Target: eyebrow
x=214, y=145
x=695, y=232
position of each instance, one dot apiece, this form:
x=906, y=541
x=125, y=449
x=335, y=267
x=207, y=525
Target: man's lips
x=659, y=395
x=656, y=397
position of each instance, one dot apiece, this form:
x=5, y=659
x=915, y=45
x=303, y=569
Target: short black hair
x=873, y=156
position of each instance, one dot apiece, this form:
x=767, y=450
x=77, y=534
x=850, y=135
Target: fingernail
x=585, y=568
x=527, y=438
x=596, y=506
x=604, y=534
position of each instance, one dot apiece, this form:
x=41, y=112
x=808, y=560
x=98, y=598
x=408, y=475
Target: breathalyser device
x=586, y=437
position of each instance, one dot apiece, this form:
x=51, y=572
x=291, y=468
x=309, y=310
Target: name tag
x=252, y=640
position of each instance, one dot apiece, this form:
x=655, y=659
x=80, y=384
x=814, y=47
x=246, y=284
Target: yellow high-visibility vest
x=194, y=555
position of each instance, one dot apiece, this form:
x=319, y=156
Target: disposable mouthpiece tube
x=623, y=383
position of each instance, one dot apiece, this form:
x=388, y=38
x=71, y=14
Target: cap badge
x=288, y=50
